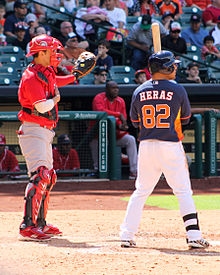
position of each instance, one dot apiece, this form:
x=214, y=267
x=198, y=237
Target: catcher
x=38, y=95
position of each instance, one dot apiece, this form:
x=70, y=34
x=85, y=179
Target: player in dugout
x=38, y=95
x=8, y=161
x=65, y=157
x=158, y=108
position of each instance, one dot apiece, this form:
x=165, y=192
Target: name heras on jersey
x=155, y=94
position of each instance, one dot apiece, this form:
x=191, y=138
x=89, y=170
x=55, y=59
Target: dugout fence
x=82, y=127
x=212, y=143
x=206, y=145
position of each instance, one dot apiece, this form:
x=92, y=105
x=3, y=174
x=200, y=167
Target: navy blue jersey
x=159, y=107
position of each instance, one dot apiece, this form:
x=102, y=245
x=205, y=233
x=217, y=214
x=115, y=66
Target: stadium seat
x=53, y=17
x=6, y=80
x=12, y=50
x=193, y=49
x=193, y=52
x=214, y=76
x=184, y=20
x=184, y=63
x=7, y=70
x=214, y=73
x=190, y=10
x=216, y=63
x=115, y=70
x=87, y=80
x=122, y=74
x=123, y=79
x=8, y=59
x=131, y=20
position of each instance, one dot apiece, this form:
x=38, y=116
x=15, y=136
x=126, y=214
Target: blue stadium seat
x=122, y=74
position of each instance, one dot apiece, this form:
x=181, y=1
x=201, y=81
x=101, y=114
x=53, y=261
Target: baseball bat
x=156, y=37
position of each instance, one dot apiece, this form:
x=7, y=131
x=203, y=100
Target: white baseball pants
x=36, y=146
x=156, y=157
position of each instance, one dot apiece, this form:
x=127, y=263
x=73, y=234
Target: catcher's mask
x=43, y=42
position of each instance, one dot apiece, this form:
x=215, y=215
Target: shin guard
x=34, y=193
x=41, y=220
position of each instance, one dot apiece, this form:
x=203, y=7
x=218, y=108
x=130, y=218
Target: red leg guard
x=33, y=194
x=47, y=229
x=41, y=221
x=53, y=178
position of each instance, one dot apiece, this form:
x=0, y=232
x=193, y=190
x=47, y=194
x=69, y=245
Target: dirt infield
x=90, y=215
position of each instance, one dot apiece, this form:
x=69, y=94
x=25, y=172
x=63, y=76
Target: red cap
x=139, y=72
x=2, y=140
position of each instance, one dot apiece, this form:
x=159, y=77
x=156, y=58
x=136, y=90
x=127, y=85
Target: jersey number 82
x=153, y=116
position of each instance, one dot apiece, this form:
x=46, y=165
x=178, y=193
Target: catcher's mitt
x=84, y=64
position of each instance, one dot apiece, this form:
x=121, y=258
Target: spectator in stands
x=211, y=13
x=173, y=6
x=103, y=59
x=209, y=49
x=194, y=34
x=2, y=15
x=192, y=74
x=40, y=11
x=66, y=30
x=116, y=16
x=32, y=21
x=142, y=7
x=215, y=33
x=90, y=12
x=110, y=102
x=140, y=39
x=69, y=5
x=9, y=7
x=129, y=4
x=71, y=50
x=65, y=158
x=33, y=24
x=8, y=161
x=199, y=4
x=121, y=5
x=39, y=30
x=166, y=19
x=2, y=36
x=20, y=40
x=101, y=75
x=70, y=53
x=18, y=17
x=173, y=41
x=140, y=77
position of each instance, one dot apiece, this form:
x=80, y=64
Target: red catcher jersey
x=32, y=90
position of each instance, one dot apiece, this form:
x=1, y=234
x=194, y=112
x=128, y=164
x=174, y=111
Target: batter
x=159, y=107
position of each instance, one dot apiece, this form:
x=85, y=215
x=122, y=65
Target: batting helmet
x=44, y=42
x=162, y=60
